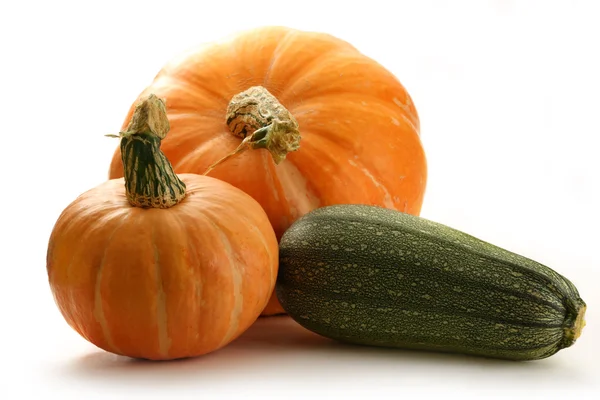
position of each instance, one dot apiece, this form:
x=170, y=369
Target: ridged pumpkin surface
x=162, y=283
x=359, y=127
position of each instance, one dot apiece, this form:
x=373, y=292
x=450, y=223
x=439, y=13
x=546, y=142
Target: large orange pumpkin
x=359, y=128
x=160, y=266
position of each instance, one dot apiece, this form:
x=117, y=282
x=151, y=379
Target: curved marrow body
x=373, y=276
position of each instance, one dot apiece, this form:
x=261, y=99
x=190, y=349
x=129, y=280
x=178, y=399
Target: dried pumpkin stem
x=150, y=181
x=259, y=118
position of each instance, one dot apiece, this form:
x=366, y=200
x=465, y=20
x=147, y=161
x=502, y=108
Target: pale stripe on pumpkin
x=98, y=307
x=164, y=342
x=236, y=278
x=292, y=182
x=387, y=198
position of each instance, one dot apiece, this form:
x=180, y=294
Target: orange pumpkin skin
x=162, y=284
x=360, y=129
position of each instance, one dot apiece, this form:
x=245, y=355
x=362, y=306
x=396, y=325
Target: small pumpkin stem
x=259, y=118
x=150, y=181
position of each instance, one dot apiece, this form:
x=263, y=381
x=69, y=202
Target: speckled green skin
x=374, y=276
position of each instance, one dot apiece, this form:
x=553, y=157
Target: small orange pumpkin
x=158, y=265
x=350, y=126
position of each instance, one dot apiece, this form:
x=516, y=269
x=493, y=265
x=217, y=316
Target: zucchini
x=374, y=276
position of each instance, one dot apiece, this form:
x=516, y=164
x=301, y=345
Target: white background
x=508, y=95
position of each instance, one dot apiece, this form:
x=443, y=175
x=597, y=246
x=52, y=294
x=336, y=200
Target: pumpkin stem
x=150, y=181
x=259, y=118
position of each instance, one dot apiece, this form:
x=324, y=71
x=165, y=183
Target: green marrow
x=373, y=276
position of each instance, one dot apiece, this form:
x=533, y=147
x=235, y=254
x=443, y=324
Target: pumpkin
x=157, y=265
x=320, y=123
